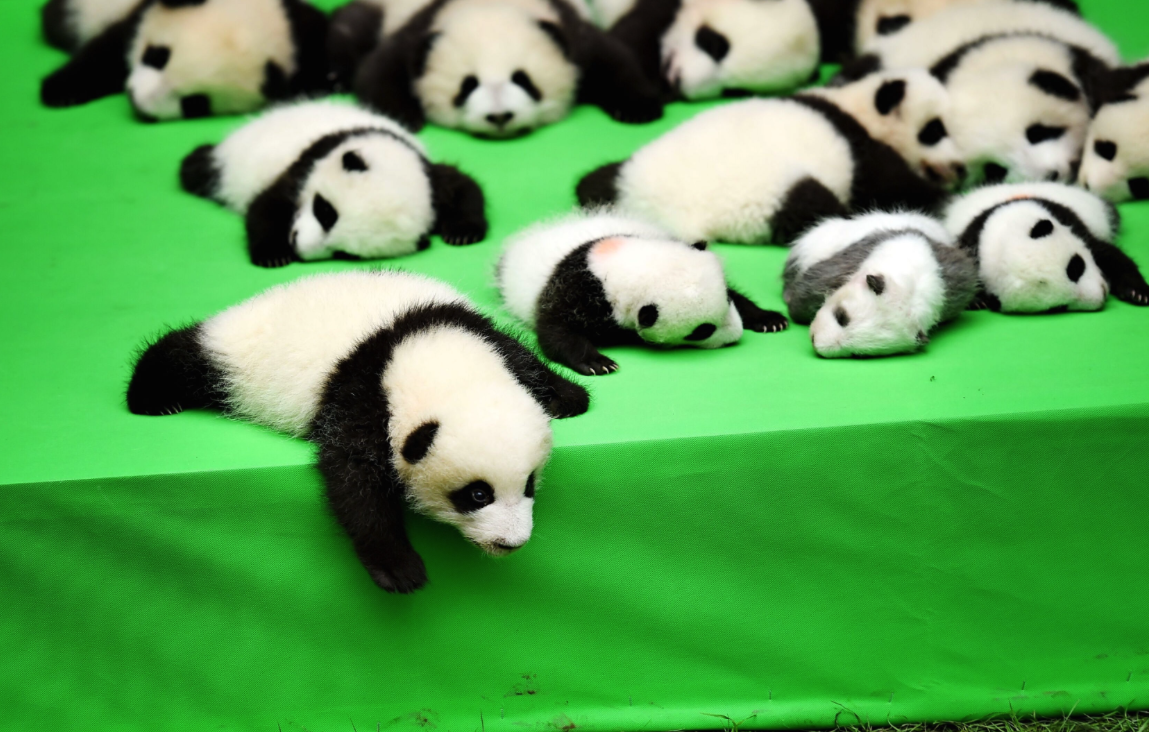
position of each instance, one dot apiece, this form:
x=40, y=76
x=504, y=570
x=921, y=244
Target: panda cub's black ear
x=418, y=443
x=556, y=33
x=700, y=245
x=890, y=95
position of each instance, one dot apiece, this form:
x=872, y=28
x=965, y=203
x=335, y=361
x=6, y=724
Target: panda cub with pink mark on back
x=601, y=279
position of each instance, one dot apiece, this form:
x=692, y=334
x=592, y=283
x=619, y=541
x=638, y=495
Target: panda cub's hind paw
x=462, y=236
x=403, y=579
x=596, y=365
x=766, y=321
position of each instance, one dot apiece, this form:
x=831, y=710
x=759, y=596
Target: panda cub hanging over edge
x=411, y=395
x=601, y=279
x=186, y=58
x=500, y=68
x=321, y=179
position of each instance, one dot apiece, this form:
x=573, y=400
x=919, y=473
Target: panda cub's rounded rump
x=600, y=279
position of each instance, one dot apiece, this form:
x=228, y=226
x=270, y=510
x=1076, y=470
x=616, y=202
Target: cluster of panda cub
x=906, y=190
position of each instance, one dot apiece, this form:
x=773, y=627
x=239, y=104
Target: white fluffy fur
x=638, y=264
x=89, y=18
x=871, y=11
x=774, y=46
x=1029, y=275
x=490, y=429
x=491, y=40
x=1126, y=125
x=219, y=49
x=912, y=301
x=924, y=42
x=993, y=103
x=926, y=100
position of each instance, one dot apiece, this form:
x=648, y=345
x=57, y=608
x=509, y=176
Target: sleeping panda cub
x=600, y=279
x=1116, y=161
x=700, y=49
x=499, y=68
x=764, y=170
x=876, y=284
x=321, y=179
x=1044, y=247
x=186, y=58
x=412, y=397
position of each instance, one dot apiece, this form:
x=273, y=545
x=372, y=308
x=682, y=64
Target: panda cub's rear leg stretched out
x=173, y=374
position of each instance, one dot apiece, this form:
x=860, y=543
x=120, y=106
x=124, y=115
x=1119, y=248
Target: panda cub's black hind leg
x=755, y=318
x=174, y=374
x=460, y=208
x=562, y=345
x=198, y=172
x=805, y=204
x=599, y=187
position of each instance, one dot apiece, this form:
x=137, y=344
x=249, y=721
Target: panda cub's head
x=192, y=60
x=740, y=46
x=1116, y=161
x=369, y=197
x=670, y=293
x=496, y=70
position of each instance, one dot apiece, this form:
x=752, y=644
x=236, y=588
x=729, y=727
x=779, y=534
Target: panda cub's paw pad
x=767, y=321
x=597, y=365
x=1135, y=296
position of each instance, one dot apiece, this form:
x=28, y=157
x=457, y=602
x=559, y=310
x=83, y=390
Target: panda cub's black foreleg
x=755, y=318
x=805, y=204
x=98, y=69
x=599, y=187
x=174, y=374
x=563, y=345
x=460, y=209
x=268, y=222
x=560, y=396
x=613, y=80
x=1125, y=280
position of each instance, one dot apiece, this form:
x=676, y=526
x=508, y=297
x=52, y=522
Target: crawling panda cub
x=1116, y=161
x=764, y=170
x=494, y=68
x=876, y=284
x=320, y=179
x=700, y=49
x=1044, y=247
x=411, y=396
x=600, y=279
x=185, y=58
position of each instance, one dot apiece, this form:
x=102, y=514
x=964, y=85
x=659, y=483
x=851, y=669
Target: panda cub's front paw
x=403, y=579
x=596, y=365
x=1134, y=295
x=569, y=400
x=461, y=234
x=766, y=321
x=638, y=110
x=271, y=261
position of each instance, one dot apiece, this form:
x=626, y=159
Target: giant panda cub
x=321, y=179
x=763, y=170
x=876, y=284
x=1044, y=247
x=185, y=58
x=1116, y=160
x=700, y=49
x=600, y=279
x=494, y=68
x=412, y=397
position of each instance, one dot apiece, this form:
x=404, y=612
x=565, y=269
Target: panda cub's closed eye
x=1105, y=149
x=1037, y=134
x=472, y=497
x=352, y=163
x=157, y=57
x=702, y=332
x=1041, y=229
x=470, y=84
x=889, y=24
x=713, y=44
x=841, y=316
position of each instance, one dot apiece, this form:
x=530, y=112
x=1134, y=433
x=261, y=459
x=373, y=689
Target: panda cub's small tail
x=198, y=172
x=174, y=374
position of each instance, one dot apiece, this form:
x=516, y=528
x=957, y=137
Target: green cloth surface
x=750, y=534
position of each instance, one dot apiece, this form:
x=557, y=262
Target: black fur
x=195, y=106
x=1139, y=188
x=417, y=444
x=199, y=174
x=459, y=205
x=889, y=96
x=599, y=187
x=54, y=21
x=98, y=69
x=807, y=203
x=755, y=318
x=1055, y=85
x=309, y=37
x=174, y=374
x=856, y=69
x=641, y=30
x=1116, y=85
x=351, y=35
x=890, y=24
x=837, y=25
x=274, y=84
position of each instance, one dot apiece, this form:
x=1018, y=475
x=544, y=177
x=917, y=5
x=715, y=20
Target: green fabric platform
x=751, y=534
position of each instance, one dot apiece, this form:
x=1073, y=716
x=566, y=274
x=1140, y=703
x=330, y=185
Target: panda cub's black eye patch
x=324, y=212
x=702, y=332
x=524, y=82
x=1076, y=268
x=1105, y=149
x=352, y=163
x=712, y=43
x=888, y=24
x=841, y=316
x=1041, y=229
x=157, y=57
x=472, y=496
x=647, y=316
x=470, y=84
x=933, y=133
x=1037, y=134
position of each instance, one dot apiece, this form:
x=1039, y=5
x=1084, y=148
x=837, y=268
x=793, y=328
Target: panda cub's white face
x=1116, y=161
x=740, y=45
x=495, y=70
x=670, y=293
x=1032, y=263
x=369, y=198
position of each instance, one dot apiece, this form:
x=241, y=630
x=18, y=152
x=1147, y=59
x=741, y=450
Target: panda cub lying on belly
x=185, y=58
x=319, y=179
x=600, y=279
x=494, y=68
x=1116, y=161
x=412, y=397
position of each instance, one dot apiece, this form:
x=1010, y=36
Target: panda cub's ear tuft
x=700, y=245
x=890, y=95
x=877, y=283
x=418, y=443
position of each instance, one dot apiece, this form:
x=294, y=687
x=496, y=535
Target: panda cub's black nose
x=500, y=120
